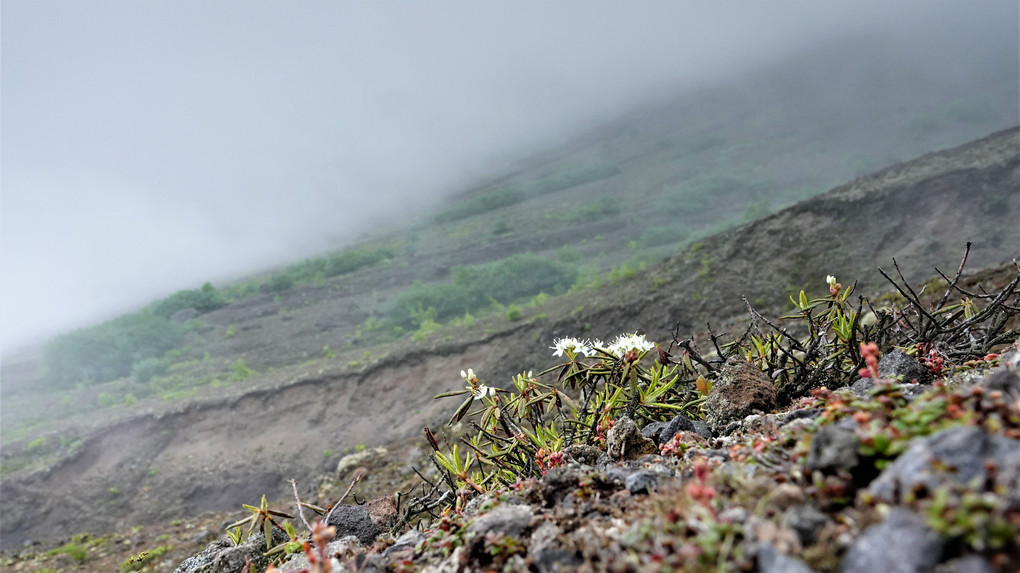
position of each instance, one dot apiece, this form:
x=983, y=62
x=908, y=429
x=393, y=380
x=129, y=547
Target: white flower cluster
x=627, y=342
x=571, y=347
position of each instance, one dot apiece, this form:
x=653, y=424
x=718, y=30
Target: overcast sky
x=149, y=146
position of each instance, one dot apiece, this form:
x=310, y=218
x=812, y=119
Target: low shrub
x=665, y=234
x=477, y=287
x=595, y=210
x=279, y=283
x=108, y=351
x=203, y=300
x=502, y=197
x=144, y=370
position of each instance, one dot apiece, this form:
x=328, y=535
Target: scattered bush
x=513, y=312
x=701, y=194
x=75, y=551
x=279, y=283
x=350, y=261
x=144, y=370
x=108, y=351
x=203, y=300
x=595, y=210
x=573, y=179
x=475, y=288
x=241, y=370
x=38, y=444
x=665, y=234
x=568, y=254
x=107, y=400
x=513, y=194
x=502, y=197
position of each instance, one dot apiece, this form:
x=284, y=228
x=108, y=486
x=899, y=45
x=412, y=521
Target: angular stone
x=899, y=363
x=902, y=543
x=510, y=520
x=624, y=441
x=833, y=448
x=678, y=424
x=956, y=455
x=740, y=390
x=771, y=560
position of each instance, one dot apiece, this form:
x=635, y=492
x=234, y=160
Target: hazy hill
x=664, y=217
x=219, y=452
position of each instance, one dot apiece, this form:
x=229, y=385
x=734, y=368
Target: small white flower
x=469, y=376
x=570, y=347
x=592, y=344
x=627, y=342
x=831, y=280
x=482, y=391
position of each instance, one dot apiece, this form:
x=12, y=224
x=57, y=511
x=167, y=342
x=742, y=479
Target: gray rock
x=512, y=520
x=405, y=542
x=345, y=546
x=204, y=535
x=741, y=390
x=354, y=520
x=968, y=564
x=703, y=429
x=624, y=441
x=675, y=426
x=641, y=482
x=582, y=454
x=652, y=431
x=555, y=560
x=804, y=414
x=902, y=543
x=618, y=474
x=223, y=557
x=898, y=363
x=956, y=455
x=833, y=448
x=771, y=560
x=545, y=538
x=862, y=387
x=806, y=521
x=865, y=387
x=1004, y=381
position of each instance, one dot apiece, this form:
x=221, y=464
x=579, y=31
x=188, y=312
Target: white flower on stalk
x=831, y=280
x=627, y=342
x=570, y=347
x=482, y=391
x=592, y=345
x=477, y=390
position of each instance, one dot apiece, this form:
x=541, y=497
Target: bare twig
x=300, y=510
x=354, y=482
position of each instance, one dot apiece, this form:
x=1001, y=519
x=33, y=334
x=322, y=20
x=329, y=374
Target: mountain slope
x=219, y=452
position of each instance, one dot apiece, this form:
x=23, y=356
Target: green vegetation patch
x=203, y=300
x=477, y=287
x=513, y=194
x=108, y=351
x=702, y=193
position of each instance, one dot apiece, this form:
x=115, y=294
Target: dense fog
x=149, y=147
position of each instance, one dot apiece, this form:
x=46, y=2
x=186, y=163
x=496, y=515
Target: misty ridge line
x=547, y=89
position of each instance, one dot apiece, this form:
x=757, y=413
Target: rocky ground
x=881, y=476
